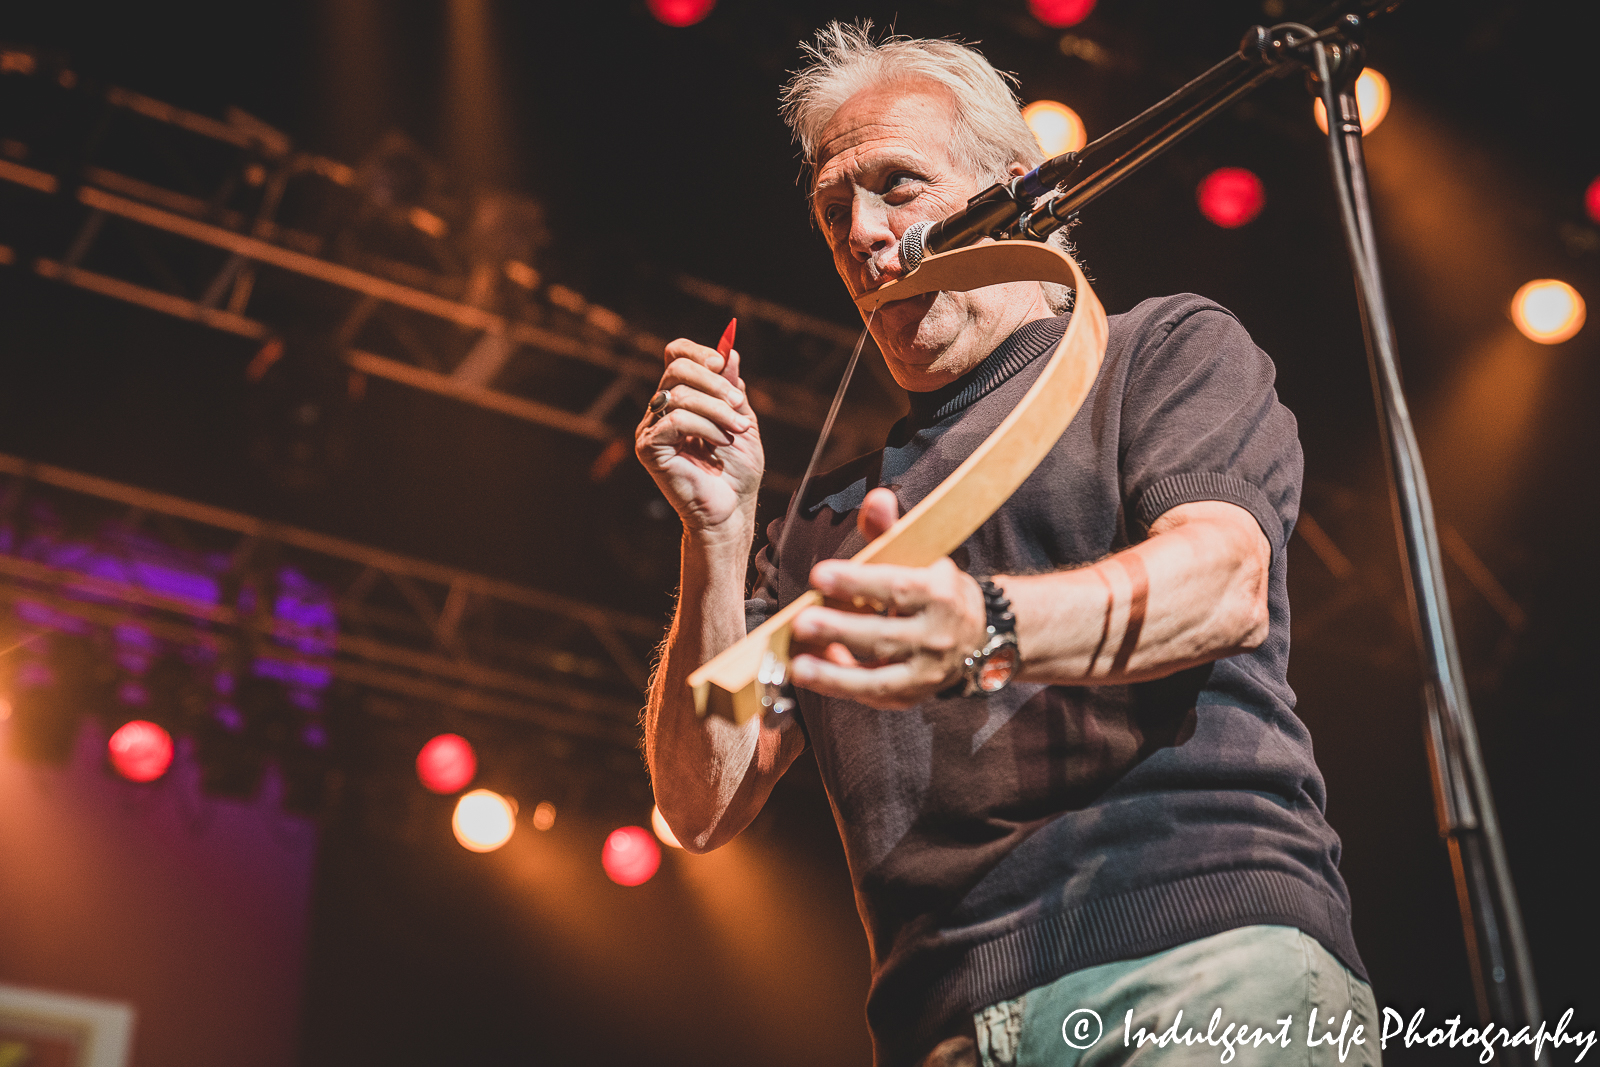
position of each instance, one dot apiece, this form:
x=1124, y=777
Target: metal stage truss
x=406, y=627
x=423, y=285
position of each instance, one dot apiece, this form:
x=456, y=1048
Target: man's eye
x=832, y=214
x=903, y=187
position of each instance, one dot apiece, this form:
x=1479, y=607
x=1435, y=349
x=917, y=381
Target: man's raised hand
x=704, y=450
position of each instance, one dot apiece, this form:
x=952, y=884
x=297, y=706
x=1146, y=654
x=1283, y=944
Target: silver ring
x=658, y=405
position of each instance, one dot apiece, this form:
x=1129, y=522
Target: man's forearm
x=700, y=766
x=1194, y=592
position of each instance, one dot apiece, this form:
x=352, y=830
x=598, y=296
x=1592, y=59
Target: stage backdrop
x=190, y=908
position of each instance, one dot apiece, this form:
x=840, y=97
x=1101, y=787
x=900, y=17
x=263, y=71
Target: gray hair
x=987, y=132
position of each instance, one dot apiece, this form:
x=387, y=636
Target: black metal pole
x=1502, y=969
x=1497, y=948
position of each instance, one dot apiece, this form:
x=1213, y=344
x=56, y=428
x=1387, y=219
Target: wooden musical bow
x=746, y=679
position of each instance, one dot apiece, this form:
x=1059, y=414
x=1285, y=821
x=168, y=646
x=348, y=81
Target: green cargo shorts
x=1257, y=995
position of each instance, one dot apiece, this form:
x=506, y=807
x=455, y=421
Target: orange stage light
x=630, y=856
x=544, y=816
x=1231, y=196
x=1372, y=100
x=658, y=823
x=522, y=274
x=484, y=820
x=428, y=222
x=1060, y=13
x=140, y=751
x=447, y=763
x=1548, y=311
x=1056, y=126
x=5, y=709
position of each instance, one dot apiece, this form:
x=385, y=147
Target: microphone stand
x=1497, y=949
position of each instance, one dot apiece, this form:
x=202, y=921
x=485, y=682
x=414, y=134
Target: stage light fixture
x=1231, y=196
x=140, y=750
x=299, y=410
x=544, y=816
x=446, y=763
x=1060, y=13
x=658, y=823
x=1548, y=311
x=232, y=757
x=521, y=273
x=233, y=743
x=305, y=757
x=428, y=222
x=55, y=684
x=1056, y=126
x=630, y=856
x=680, y=12
x=484, y=820
x=1372, y=100
x=1591, y=200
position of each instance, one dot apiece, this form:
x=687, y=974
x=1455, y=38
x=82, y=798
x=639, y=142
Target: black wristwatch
x=993, y=667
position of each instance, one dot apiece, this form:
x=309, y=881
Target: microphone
x=1006, y=210
x=989, y=213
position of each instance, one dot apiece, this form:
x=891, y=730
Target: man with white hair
x=1064, y=762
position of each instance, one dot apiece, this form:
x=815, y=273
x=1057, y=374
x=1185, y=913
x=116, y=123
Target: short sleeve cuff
x=757, y=610
x=1193, y=486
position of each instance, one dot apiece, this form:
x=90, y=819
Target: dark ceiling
x=659, y=150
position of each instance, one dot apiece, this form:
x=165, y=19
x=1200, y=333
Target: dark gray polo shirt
x=998, y=843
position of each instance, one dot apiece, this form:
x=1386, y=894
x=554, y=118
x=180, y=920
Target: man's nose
x=870, y=232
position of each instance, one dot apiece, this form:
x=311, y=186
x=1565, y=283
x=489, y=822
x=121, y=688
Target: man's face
x=882, y=166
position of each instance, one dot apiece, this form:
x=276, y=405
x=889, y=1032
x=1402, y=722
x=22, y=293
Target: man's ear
x=1017, y=168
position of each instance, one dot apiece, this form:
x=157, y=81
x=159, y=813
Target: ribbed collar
x=1030, y=341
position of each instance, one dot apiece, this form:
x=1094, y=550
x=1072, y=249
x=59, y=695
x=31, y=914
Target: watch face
x=997, y=669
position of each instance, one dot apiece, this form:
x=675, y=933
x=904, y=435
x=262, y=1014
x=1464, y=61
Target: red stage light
x=630, y=855
x=140, y=751
x=446, y=763
x=1591, y=200
x=681, y=12
x=1060, y=13
x=1231, y=196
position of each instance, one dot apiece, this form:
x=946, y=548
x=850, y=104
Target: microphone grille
x=911, y=247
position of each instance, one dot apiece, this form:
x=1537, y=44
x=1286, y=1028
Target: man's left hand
x=930, y=619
